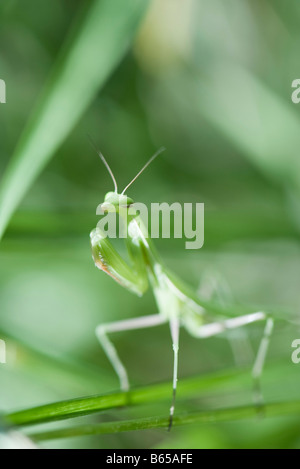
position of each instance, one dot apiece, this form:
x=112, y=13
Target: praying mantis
x=176, y=303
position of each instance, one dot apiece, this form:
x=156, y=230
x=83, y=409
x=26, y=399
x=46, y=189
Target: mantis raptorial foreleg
x=106, y=258
x=129, y=324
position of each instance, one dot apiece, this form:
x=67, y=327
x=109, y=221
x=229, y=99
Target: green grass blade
x=90, y=55
x=250, y=114
x=89, y=405
x=220, y=415
x=262, y=125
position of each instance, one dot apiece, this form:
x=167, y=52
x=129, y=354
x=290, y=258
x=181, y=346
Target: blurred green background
x=211, y=81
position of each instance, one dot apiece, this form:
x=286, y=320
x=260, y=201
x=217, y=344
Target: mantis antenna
x=105, y=163
x=143, y=168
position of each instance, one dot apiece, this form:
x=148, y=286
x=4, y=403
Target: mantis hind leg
x=260, y=360
x=215, y=328
x=130, y=324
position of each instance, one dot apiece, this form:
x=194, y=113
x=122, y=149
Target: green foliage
x=211, y=81
x=85, y=63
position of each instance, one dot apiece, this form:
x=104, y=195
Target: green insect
x=176, y=303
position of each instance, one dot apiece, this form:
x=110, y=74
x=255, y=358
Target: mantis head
x=113, y=201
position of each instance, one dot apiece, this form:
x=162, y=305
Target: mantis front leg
x=134, y=279
x=106, y=258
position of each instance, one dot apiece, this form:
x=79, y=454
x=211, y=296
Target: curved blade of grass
x=256, y=119
x=89, y=405
x=219, y=415
x=90, y=55
x=260, y=123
